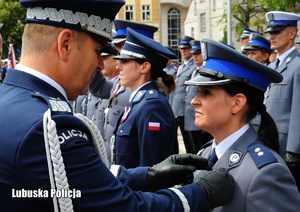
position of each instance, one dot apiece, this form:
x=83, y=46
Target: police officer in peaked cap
x=184, y=72
x=145, y=132
x=283, y=101
x=232, y=88
x=117, y=94
x=244, y=38
x=258, y=48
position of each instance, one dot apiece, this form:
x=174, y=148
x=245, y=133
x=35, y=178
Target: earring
x=233, y=113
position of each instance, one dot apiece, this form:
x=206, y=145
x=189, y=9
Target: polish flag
x=154, y=126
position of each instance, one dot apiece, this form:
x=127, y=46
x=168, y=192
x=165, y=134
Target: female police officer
x=231, y=93
x=146, y=129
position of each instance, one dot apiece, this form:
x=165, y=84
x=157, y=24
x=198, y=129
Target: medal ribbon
x=126, y=112
x=118, y=89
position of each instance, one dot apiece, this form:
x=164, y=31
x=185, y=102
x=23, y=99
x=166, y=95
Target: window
x=201, y=1
x=174, y=29
x=202, y=22
x=195, y=8
x=146, y=12
x=129, y=12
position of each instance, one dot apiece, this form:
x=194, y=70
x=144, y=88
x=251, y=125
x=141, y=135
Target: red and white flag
x=154, y=126
x=11, y=56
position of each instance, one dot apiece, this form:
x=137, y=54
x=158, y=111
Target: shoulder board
x=191, y=62
x=261, y=155
x=152, y=94
x=55, y=104
x=139, y=95
x=204, y=147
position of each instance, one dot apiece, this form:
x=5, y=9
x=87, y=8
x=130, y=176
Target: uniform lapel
x=284, y=63
x=236, y=153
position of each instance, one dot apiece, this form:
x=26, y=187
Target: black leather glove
x=218, y=184
x=175, y=170
x=292, y=160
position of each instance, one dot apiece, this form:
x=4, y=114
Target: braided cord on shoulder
x=56, y=167
x=97, y=138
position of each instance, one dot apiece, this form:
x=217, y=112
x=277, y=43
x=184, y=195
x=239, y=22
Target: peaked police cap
x=140, y=47
x=94, y=17
x=278, y=20
x=121, y=29
x=223, y=64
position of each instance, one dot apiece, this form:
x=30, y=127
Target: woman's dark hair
x=267, y=131
x=158, y=75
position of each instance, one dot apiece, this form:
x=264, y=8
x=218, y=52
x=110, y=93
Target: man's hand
x=292, y=160
x=175, y=170
x=219, y=186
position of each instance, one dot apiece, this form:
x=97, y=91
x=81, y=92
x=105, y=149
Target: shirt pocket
x=280, y=90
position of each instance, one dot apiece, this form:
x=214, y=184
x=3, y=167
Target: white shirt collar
x=41, y=76
x=222, y=147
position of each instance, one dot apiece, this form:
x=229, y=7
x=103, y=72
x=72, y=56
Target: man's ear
x=65, y=40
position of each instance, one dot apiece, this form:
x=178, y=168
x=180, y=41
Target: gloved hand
x=219, y=186
x=292, y=160
x=175, y=170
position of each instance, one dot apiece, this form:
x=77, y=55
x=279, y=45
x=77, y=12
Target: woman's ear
x=239, y=103
x=146, y=66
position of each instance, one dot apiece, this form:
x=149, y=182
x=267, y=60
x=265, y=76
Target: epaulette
x=261, y=155
x=191, y=62
x=204, y=146
x=55, y=104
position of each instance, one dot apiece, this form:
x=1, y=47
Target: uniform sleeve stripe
x=114, y=169
x=184, y=201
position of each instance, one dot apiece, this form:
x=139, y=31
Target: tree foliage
x=12, y=15
x=250, y=13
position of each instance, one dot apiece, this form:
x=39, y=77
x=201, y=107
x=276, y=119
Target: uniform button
x=121, y=131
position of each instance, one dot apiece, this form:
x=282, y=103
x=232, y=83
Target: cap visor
x=275, y=28
x=244, y=36
x=108, y=47
x=118, y=40
x=125, y=57
x=206, y=81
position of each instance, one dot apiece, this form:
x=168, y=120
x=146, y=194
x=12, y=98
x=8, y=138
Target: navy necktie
x=276, y=63
x=212, y=159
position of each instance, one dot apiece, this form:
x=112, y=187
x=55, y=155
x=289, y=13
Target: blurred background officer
x=197, y=137
x=273, y=56
x=244, y=39
x=118, y=94
x=53, y=149
x=298, y=44
x=231, y=93
x=145, y=132
x=283, y=100
x=258, y=48
x=111, y=73
x=184, y=73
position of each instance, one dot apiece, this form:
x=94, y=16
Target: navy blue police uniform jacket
x=23, y=164
x=144, y=135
